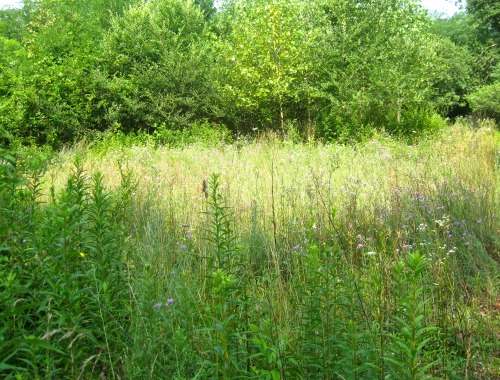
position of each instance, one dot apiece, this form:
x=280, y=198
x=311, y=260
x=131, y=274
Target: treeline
x=337, y=68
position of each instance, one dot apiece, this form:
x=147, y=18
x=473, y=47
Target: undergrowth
x=379, y=261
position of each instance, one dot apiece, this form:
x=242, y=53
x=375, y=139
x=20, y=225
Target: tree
x=468, y=55
x=485, y=102
x=486, y=12
x=207, y=6
x=12, y=24
x=50, y=98
x=267, y=62
x=374, y=65
x=486, y=21
x=157, y=67
x=452, y=78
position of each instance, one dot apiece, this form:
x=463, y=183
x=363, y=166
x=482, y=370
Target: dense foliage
x=297, y=261
x=126, y=256
x=340, y=69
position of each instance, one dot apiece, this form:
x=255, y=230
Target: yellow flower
x=82, y=254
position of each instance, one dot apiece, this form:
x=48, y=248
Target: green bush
x=342, y=127
x=485, y=102
x=413, y=124
x=202, y=133
x=416, y=123
x=62, y=285
x=157, y=67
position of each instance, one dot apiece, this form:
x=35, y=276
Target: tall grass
x=268, y=260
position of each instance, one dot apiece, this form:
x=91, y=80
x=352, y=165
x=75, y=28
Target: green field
x=262, y=259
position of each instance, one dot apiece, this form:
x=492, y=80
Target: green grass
x=262, y=260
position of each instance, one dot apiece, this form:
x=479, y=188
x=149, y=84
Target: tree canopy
x=341, y=68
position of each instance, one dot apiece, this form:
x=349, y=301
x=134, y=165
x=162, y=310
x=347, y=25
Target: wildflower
x=184, y=246
x=371, y=253
x=170, y=301
x=157, y=305
x=440, y=223
x=360, y=246
x=82, y=255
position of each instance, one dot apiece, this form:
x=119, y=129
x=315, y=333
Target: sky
x=9, y=3
x=446, y=7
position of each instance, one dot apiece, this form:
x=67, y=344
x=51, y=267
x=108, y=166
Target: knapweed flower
x=360, y=246
x=169, y=302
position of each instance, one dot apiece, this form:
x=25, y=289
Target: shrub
x=485, y=102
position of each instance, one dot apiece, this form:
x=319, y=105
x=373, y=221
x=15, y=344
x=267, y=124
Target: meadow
x=262, y=259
